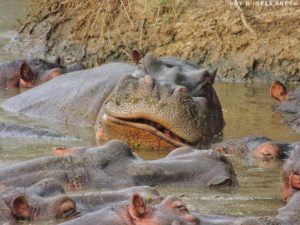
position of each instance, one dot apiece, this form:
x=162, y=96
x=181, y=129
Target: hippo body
x=166, y=104
x=170, y=211
x=114, y=165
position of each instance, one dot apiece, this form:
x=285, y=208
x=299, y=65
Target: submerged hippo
x=289, y=103
x=258, y=147
x=171, y=211
x=29, y=73
x=163, y=103
x=27, y=204
x=291, y=175
x=114, y=165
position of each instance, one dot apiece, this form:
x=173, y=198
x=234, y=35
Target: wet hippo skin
x=162, y=103
x=30, y=73
x=114, y=165
x=171, y=211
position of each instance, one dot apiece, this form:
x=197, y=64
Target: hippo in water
x=291, y=175
x=114, y=165
x=162, y=103
x=258, y=147
x=289, y=103
x=29, y=73
x=171, y=211
x=30, y=204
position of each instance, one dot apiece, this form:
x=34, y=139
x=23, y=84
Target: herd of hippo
x=156, y=104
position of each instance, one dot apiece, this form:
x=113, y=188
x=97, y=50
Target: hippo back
x=75, y=98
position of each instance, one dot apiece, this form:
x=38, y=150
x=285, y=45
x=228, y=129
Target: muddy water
x=11, y=12
x=248, y=111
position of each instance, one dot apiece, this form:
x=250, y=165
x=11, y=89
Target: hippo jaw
x=141, y=125
x=137, y=109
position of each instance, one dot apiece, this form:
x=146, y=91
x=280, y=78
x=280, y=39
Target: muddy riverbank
x=248, y=42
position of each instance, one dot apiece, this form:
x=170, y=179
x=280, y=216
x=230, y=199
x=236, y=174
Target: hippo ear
x=20, y=207
x=26, y=73
x=213, y=75
x=136, y=55
x=278, y=91
x=137, y=208
x=57, y=60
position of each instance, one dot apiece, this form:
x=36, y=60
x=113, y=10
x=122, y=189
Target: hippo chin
x=166, y=103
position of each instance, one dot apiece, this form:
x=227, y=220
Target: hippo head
x=38, y=71
x=28, y=207
x=171, y=211
x=166, y=103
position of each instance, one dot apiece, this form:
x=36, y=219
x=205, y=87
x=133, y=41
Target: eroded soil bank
x=249, y=41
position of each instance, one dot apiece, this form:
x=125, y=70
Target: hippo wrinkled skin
x=114, y=165
x=30, y=73
x=171, y=211
x=162, y=103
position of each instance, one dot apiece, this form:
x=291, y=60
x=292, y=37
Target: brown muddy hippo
x=162, y=103
x=114, y=165
x=27, y=204
x=171, y=211
x=289, y=103
x=30, y=73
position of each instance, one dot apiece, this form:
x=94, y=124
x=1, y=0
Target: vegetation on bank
x=246, y=42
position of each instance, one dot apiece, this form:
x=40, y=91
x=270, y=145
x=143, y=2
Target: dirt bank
x=254, y=41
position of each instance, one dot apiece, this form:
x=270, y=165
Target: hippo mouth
x=149, y=126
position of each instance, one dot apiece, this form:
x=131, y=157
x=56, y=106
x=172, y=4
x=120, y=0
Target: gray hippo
x=114, y=165
x=258, y=147
x=290, y=213
x=162, y=103
x=291, y=175
x=36, y=203
x=30, y=73
x=289, y=103
x=171, y=211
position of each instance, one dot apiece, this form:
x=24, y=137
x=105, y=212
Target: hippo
x=27, y=204
x=289, y=103
x=163, y=103
x=30, y=73
x=93, y=201
x=289, y=214
x=291, y=175
x=258, y=147
x=114, y=165
x=171, y=211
